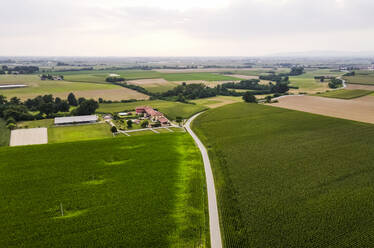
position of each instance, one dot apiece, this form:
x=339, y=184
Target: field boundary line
x=215, y=231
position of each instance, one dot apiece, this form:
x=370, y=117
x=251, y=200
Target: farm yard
x=359, y=109
x=170, y=109
x=107, y=193
x=290, y=179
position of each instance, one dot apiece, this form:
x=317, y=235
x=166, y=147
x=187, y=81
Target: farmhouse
x=84, y=119
x=152, y=114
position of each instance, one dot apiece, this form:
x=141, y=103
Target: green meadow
x=170, y=109
x=361, y=77
x=346, y=94
x=290, y=179
x=145, y=191
x=197, y=76
x=78, y=133
x=307, y=83
x=39, y=87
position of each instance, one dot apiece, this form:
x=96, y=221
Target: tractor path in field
x=215, y=231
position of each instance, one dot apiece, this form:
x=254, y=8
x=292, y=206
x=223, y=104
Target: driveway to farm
x=215, y=232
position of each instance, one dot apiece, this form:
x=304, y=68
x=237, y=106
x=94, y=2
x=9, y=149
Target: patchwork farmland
x=359, y=109
x=109, y=192
x=290, y=179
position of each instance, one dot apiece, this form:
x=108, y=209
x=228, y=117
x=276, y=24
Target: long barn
x=83, y=119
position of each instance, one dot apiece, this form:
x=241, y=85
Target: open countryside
x=187, y=124
x=289, y=179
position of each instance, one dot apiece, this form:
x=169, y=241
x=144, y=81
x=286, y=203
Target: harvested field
x=360, y=87
x=346, y=94
x=151, y=81
x=154, y=85
x=361, y=109
x=31, y=136
x=200, y=70
x=211, y=84
x=218, y=101
x=244, y=76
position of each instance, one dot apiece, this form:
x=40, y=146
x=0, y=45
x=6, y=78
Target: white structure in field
x=83, y=119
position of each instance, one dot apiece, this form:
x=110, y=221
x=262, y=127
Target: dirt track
x=360, y=109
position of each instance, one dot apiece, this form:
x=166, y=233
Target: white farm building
x=84, y=119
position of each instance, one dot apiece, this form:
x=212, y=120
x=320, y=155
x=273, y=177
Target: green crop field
x=307, y=83
x=361, y=77
x=4, y=133
x=197, y=76
x=99, y=76
x=78, y=133
x=346, y=94
x=290, y=179
x=170, y=109
x=120, y=192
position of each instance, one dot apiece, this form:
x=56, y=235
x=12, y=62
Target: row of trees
x=19, y=69
x=14, y=110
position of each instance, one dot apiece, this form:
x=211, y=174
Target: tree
x=81, y=99
x=268, y=99
x=10, y=120
x=249, y=97
x=179, y=120
x=58, y=100
x=87, y=107
x=3, y=99
x=63, y=106
x=280, y=88
x=11, y=126
x=72, y=100
x=15, y=100
x=47, y=108
x=129, y=123
x=145, y=124
x=101, y=100
x=48, y=98
x=113, y=129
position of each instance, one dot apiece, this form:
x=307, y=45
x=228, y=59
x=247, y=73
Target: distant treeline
x=19, y=69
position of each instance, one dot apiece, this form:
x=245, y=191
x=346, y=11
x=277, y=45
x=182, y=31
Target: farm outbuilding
x=83, y=119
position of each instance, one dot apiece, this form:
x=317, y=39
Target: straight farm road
x=215, y=232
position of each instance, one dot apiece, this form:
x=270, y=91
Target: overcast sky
x=183, y=28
